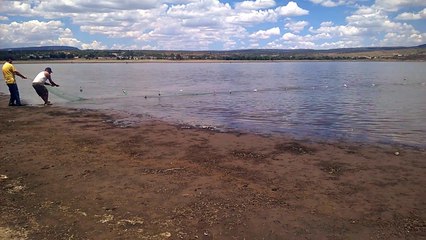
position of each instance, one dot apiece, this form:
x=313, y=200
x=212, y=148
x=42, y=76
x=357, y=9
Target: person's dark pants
x=14, y=95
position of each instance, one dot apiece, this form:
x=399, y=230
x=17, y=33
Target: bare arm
x=49, y=77
x=19, y=74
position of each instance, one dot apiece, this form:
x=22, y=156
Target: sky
x=212, y=24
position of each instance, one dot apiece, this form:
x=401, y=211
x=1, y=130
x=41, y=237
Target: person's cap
x=48, y=69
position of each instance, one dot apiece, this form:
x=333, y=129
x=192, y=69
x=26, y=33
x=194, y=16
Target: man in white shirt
x=40, y=80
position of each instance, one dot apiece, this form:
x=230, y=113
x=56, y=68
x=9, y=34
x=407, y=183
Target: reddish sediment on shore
x=75, y=174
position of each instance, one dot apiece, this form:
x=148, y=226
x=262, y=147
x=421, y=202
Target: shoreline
x=78, y=61
x=100, y=179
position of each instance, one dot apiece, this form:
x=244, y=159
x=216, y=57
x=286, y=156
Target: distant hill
x=44, y=48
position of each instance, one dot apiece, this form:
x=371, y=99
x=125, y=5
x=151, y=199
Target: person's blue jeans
x=14, y=94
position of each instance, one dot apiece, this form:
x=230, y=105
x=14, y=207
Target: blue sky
x=212, y=24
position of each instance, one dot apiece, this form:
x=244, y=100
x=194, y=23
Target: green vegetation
x=68, y=53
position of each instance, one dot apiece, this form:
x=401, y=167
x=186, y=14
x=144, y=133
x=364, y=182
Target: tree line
x=255, y=54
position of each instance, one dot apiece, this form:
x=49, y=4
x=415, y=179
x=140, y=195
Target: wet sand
x=82, y=174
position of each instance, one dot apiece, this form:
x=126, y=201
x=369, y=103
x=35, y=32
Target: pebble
x=165, y=234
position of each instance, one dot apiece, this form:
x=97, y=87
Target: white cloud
x=199, y=9
x=163, y=24
x=206, y=24
x=296, y=26
x=396, y=39
x=31, y=32
x=81, y=6
x=254, y=45
x=317, y=41
x=395, y=5
x=340, y=44
x=293, y=41
x=67, y=41
x=412, y=16
x=292, y=9
x=291, y=37
x=16, y=8
x=367, y=17
x=256, y=5
x=372, y=20
x=330, y=3
x=370, y=26
x=145, y=47
x=265, y=34
x=36, y=33
x=121, y=24
x=252, y=17
x=94, y=45
x=340, y=31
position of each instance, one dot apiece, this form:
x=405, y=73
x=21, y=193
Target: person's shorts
x=40, y=89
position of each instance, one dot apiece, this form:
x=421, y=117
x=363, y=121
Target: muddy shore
x=80, y=174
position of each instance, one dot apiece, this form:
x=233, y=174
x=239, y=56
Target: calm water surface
x=352, y=101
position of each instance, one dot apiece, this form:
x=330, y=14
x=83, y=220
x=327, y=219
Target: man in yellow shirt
x=9, y=73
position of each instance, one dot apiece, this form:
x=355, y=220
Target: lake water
x=368, y=102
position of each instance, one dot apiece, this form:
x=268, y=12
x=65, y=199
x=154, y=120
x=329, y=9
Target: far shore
x=71, y=61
